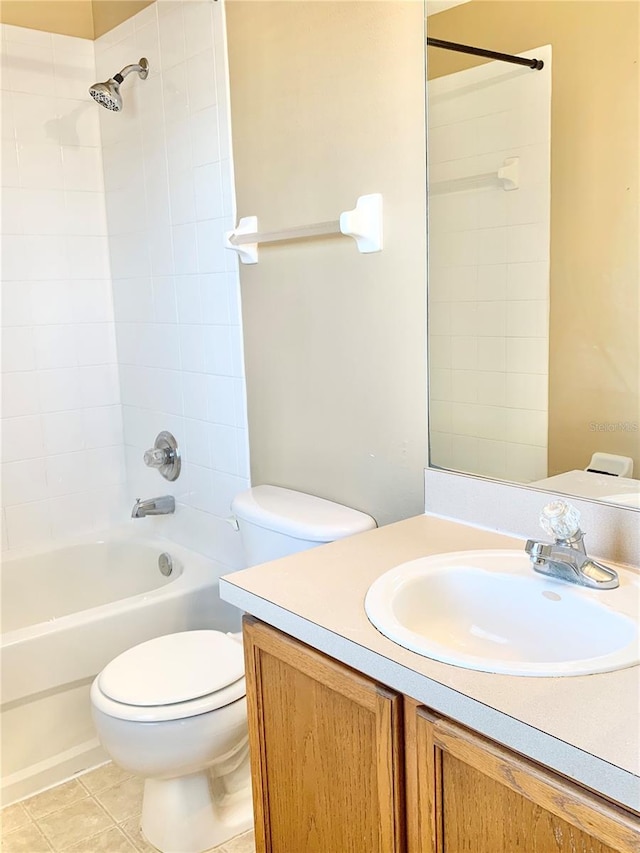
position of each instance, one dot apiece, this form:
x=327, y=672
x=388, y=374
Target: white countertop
x=586, y=727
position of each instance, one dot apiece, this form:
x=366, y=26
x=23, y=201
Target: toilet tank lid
x=173, y=668
x=299, y=515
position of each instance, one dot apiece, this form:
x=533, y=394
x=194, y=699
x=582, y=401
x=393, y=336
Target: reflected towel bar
x=508, y=176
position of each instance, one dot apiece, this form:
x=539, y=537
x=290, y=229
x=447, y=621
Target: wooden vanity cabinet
x=474, y=795
x=326, y=752
x=341, y=764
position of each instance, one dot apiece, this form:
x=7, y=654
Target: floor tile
x=103, y=777
x=132, y=828
x=13, y=817
x=111, y=841
x=124, y=800
x=27, y=839
x=56, y=821
x=74, y=823
x=54, y=799
x=244, y=843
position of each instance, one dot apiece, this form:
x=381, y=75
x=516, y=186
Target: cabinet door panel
x=326, y=754
x=481, y=797
x=481, y=814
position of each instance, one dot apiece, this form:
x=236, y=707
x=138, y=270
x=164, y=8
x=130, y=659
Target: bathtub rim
x=196, y=572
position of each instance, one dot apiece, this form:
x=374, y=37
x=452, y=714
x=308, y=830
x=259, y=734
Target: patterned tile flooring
x=97, y=812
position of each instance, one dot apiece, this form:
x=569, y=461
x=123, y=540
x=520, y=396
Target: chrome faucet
x=566, y=558
x=154, y=506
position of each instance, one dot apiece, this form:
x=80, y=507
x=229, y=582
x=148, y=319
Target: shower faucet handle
x=156, y=458
x=164, y=456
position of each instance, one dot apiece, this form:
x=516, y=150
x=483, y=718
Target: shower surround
x=62, y=453
x=120, y=314
x=120, y=306
x=169, y=199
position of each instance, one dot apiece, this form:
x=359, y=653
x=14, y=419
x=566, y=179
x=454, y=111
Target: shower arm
x=141, y=67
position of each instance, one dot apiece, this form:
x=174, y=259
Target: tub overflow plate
x=165, y=564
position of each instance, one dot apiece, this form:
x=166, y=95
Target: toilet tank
x=276, y=522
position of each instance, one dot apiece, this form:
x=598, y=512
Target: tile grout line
x=86, y=838
x=33, y=823
x=102, y=831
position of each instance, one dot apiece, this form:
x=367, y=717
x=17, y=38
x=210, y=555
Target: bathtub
x=68, y=611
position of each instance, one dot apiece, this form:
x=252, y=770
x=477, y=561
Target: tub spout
x=153, y=506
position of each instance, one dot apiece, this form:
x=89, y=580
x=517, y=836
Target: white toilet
x=173, y=709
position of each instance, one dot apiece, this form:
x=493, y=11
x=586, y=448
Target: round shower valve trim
x=164, y=456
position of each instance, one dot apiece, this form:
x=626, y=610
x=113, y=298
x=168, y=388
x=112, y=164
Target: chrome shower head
x=108, y=94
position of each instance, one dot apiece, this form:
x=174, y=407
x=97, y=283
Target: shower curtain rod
x=534, y=64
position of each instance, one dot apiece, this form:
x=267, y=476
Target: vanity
x=388, y=750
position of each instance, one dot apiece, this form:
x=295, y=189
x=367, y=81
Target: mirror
x=534, y=278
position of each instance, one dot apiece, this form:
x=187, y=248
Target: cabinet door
x=325, y=751
x=475, y=795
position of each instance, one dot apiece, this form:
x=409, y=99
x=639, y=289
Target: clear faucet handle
x=156, y=457
x=560, y=520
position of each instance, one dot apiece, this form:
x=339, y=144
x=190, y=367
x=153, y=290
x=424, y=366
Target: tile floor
x=94, y=813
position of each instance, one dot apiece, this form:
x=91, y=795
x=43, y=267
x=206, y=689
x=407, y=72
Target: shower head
x=108, y=94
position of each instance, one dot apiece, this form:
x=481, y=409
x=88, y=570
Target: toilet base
x=184, y=816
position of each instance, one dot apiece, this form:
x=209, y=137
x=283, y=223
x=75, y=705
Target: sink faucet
x=154, y=506
x=566, y=558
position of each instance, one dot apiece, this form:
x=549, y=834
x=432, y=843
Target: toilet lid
x=174, y=668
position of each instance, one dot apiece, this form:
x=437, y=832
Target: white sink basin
x=489, y=610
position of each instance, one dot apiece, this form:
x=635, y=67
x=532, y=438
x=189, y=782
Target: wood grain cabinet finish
x=326, y=751
x=475, y=795
x=341, y=764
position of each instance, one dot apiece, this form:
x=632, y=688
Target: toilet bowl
x=173, y=711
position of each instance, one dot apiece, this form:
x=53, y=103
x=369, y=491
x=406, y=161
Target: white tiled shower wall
x=62, y=456
x=168, y=183
x=489, y=271
x=155, y=262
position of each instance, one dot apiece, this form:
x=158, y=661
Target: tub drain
x=165, y=564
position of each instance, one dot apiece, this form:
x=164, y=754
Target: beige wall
x=328, y=104
x=107, y=14
x=595, y=222
x=83, y=18
x=69, y=17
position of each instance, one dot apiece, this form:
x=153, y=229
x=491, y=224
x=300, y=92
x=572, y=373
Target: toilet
x=607, y=477
x=173, y=709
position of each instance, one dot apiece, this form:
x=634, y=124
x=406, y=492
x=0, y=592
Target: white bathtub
x=65, y=614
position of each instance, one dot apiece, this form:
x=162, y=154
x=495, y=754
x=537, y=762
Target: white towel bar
x=363, y=223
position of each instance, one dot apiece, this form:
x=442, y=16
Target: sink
x=489, y=611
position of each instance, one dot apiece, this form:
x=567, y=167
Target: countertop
x=585, y=727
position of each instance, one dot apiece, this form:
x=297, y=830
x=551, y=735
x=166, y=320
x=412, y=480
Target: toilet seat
x=172, y=677
x=164, y=713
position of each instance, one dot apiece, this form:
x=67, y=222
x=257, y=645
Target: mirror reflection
x=534, y=245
